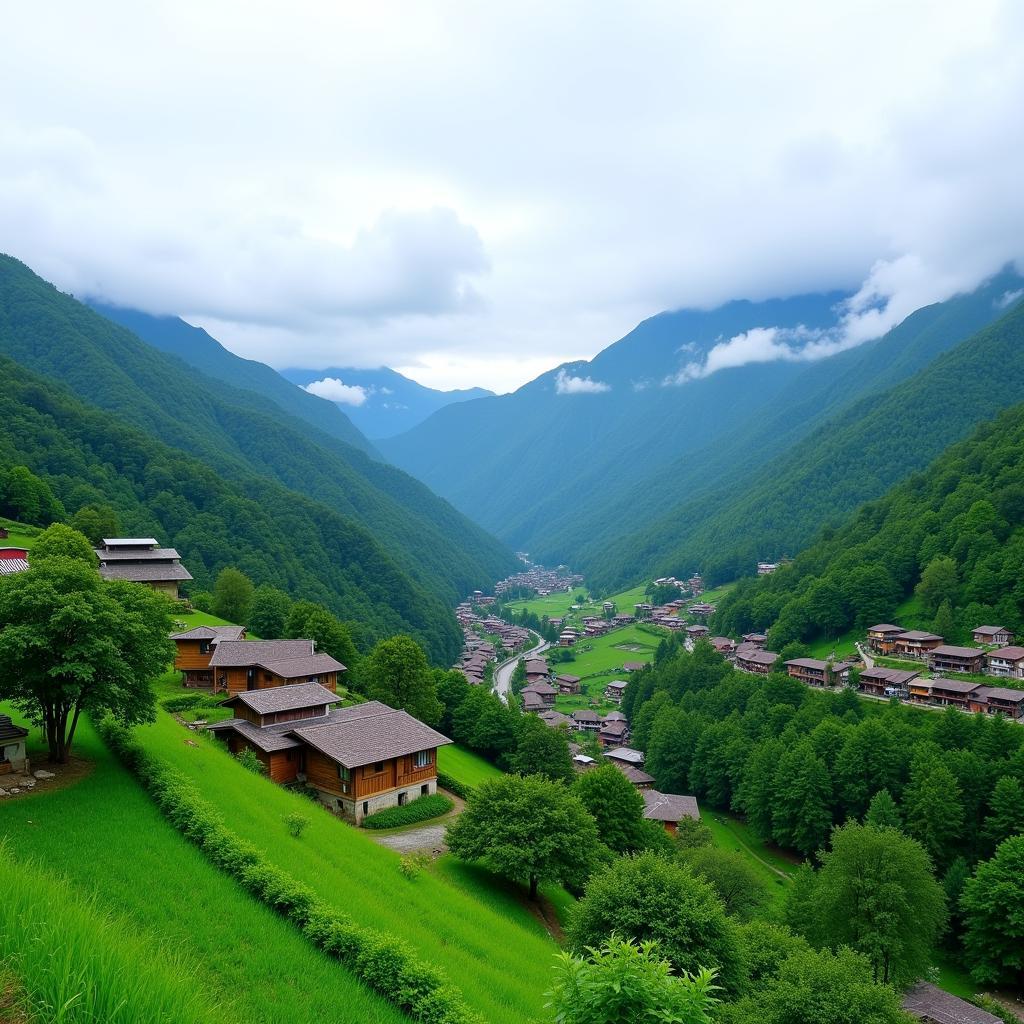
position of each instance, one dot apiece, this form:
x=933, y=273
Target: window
x=344, y=773
x=313, y=679
x=403, y=799
x=424, y=790
x=423, y=758
x=204, y=646
x=378, y=768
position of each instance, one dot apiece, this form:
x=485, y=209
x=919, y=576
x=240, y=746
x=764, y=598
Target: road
x=503, y=672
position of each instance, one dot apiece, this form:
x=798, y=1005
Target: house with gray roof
x=669, y=808
x=239, y=665
x=12, y=747
x=142, y=560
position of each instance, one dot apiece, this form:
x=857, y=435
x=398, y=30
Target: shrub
x=453, y=785
x=296, y=823
x=425, y=807
x=249, y=759
x=188, y=701
x=413, y=863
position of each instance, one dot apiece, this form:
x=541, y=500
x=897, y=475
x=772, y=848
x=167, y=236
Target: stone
x=29, y=784
x=44, y=774
x=3, y=792
x=15, y=791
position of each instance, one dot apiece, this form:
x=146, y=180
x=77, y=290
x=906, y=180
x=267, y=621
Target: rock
x=15, y=791
x=29, y=784
x=3, y=792
x=44, y=775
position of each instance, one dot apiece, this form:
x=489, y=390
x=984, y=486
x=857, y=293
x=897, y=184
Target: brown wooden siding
x=283, y=765
x=235, y=680
x=189, y=658
x=397, y=773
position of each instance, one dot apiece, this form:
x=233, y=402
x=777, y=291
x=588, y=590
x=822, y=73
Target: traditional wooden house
x=142, y=560
x=568, y=684
x=952, y=692
x=1006, y=662
x=696, y=632
x=882, y=638
x=634, y=666
x=626, y=755
x=615, y=689
x=755, y=660
x=12, y=747
x=755, y=639
x=992, y=635
x=815, y=672
x=544, y=691
x=669, y=808
x=997, y=700
x=947, y=658
x=915, y=643
x=613, y=732
x=13, y=560
x=196, y=647
x=932, y=1005
x=886, y=682
x=359, y=759
x=262, y=664
x=724, y=646
x=555, y=719
x=637, y=776
x=584, y=720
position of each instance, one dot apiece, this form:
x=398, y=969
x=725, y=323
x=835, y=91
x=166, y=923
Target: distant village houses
x=142, y=560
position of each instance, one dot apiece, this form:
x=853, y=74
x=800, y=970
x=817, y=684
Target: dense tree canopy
x=397, y=673
x=993, y=910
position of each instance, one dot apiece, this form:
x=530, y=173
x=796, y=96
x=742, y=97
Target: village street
x=503, y=672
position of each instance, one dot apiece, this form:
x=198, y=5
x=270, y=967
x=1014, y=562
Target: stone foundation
x=355, y=810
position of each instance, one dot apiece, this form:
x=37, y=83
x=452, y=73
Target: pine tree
x=883, y=811
x=1006, y=811
x=933, y=807
x=803, y=796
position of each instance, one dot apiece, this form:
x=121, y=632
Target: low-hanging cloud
x=566, y=384
x=334, y=390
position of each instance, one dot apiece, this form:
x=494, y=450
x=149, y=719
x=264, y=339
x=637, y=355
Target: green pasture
x=716, y=593
x=21, y=536
x=464, y=766
x=844, y=646
x=770, y=864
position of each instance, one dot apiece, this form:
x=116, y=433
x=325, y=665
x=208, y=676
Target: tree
x=528, y=829
x=669, y=754
x=756, y=794
x=869, y=760
x=875, y=892
x=623, y=982
x=483, y=722
x=931, y=803
x=452, y=688
x=729, y=872
x=617, y=807
x=27, y=497
x=883, y=811
x=268, y=612
x=396, y=672
x=648, y=897
x=60, y=541
x=541, y=750
x=307, y=619
x=96, y=522
x=72, y=643
x=944, y=623
x=232, y=595
x=993, y=910
x=939, y=583
x=801, y=816
x=1006, y=811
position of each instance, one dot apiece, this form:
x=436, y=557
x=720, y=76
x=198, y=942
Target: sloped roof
x=134, y=554
x=635, y=775
x=368, y=733
x=241, y=653
x=145, y=573
x=669, y=807
x=310, y=665
x=627, y=754
x=930, y=1003
x=10, y=731
x=950, y=651
x=218, y=633
x=9, y=566
x=1007, y=653
x=284, y=698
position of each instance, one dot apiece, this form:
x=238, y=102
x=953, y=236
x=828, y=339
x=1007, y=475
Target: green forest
x=952, y=533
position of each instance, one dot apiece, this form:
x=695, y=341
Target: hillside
x=391, y=402
x=196, y=347
x=239, y=434
x=275, y=535
x=959, y=523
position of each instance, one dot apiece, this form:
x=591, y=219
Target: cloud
x=568, y=385
x=1007, y=299
x=334, y=390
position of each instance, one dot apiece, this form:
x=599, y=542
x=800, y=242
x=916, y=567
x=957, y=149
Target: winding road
x=503, y=673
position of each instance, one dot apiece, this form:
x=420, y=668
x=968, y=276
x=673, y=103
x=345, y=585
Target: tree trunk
x=533, y=887
x=56, y=721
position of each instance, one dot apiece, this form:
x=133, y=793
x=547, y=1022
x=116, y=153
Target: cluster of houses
x=477, y=651
x=540, y=580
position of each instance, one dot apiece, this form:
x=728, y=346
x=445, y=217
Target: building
x=12, y=747
x=359, y=759
x=613, y=732
x=584, y=720
x=615, y=689
x=952, y=692
x=882, y=638
x=196, y=647
x=819, y=673
x=696, y=632
x=568, y=684
x=634, y=666
x=997, y=700
x=914, y=643
x=262, y=664
x=1007, y=662
x=766, y=568
x=932, y=1005
x=567, y=638
x=4, y=533
x=555, y=719
x=886, y=682
x=753, y=659
x=545, y=692
x=669, y=808
x=635, y=775
x=992, y=635
x=13, y=560
x=724, y=646
x=965, y=660
x=626, y=755
x=755, y=639
x=141, y=560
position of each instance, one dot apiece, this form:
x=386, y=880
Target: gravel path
x=428, y=838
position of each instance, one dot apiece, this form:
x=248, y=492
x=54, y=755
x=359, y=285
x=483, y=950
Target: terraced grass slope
x=490, y=946
x=107, y=838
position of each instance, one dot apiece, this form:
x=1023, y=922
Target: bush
x=248, y=758
x=413, y=863
x=453, y=785
x=386, y=964
x=188, y=701
x=425, y=807
x=296, y=823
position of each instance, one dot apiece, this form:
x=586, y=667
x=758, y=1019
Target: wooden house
x=555, y=719
x=13, y=560
x=12, y=747
x=262, y=664
x=584, y=720
x=755, y=639
x=544, y=691
x=997, y=700
x=815, y=672
x=615, y=689
x=142, y=560
x=626, y=755
x=915, y=643
x=614, y=732
x=568, y=684
x=196, y=647
x=933, y=1005
x=724, y=646
x=990, y=635
x=634, y=666
x=359, y=759
x=886, y=682
x=669, y=808
x=955, y=693
x=755, y=660
x=1007, y=662
x=637, y=776
x=882, y=638
x=947, y=658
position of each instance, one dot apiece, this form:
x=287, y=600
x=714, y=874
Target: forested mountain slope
x=958, y=524
x=199, y=349
x=393, y=403
x=706, y=509
x=276, y=536
x=239, y=433
x=495, y=458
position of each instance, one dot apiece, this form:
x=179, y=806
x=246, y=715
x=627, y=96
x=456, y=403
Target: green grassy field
x=770, y=865
x=842, y=646
x=560, y=605
x=501, y=962
x=463, y=765
x=109, y=840
x=20, y=536
x=716, y=593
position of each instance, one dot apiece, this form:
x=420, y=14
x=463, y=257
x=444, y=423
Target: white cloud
x=334, y=390
x=569, y=385
x=1007, y=299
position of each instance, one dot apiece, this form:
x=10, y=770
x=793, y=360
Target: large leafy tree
x=993, y=911
x=541, y=750
x=1006, y=811
x=307, y=619
x=932, y=805
x=729, y=872
x=396, y=672
x=268, y=612
x=802, y=816
x=528, y=829
x=60, y=541
x=617, y=807
x=876, y=893
x=623, y=981
x=73, y=644
x=232, y=595
x=649, y=897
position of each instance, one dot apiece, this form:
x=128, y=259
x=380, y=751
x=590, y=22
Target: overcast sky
x=475, y=192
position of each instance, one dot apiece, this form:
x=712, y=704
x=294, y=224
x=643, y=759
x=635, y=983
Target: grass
x=501, y=962
x=769, y=863
x=842, y=646
x=111, y=842
x=464, y=766
x=953, y=977
x=716, y=593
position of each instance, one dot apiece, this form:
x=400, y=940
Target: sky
x=475, y=193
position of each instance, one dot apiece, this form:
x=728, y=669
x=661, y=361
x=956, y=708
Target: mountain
x=240, y=434
x=382, y=402
x=586, y=429
x=198, y=349
x=275, y=535
x=958, y=524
